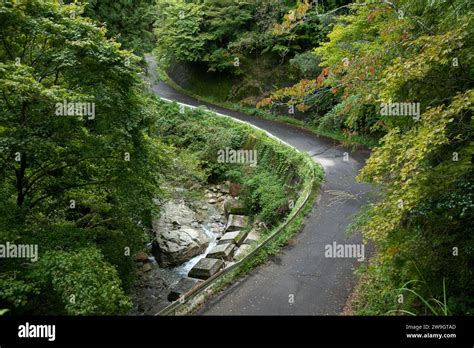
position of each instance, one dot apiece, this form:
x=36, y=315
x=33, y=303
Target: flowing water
x=153, y=286
x=186, y=267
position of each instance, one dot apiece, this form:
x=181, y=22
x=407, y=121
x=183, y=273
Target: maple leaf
x=320, y=79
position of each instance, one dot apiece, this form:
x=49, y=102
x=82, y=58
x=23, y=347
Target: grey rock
x=222, y=251
x=242, y=251
x=183, y=286
x=173, y=247
x=253, y=236
x=178, y=236
x=141, y=257
x=235, y=237
x=206, y=268
x=235, y=207
x=225, y=187
x=146, y=267
x=236, y=222
x=175, y=211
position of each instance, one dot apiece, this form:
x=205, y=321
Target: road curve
x=300, y=280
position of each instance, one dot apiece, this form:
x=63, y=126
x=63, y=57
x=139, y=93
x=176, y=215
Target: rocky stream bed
x=193, y=239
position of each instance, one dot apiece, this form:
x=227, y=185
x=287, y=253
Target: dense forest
x=396, y=76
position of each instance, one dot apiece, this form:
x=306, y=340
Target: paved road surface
x=301, y=272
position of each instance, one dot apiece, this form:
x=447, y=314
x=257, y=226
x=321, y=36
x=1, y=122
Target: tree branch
x=33, y=204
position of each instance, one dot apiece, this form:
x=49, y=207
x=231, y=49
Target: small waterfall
x=154, y=284
x=186, y=267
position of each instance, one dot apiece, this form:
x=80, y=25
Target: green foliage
x=50, y=54
x=239, y=41
x=266, y=189
x=265, y=193
x=307, y=63
x=435, y=306
x=130, y=22
x=333, y=120
x=422, y=166
x=350, y=114
x=215, y=32
x=219, y=60
x=82, y=281
x=177, y=27
x=419, y=164
x=403, y=51
x=15, y=293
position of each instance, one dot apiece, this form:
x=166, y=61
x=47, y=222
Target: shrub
x=333, y=120
x=82, y=282
x=265, y=194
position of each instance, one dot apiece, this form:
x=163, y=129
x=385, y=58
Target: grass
x=438, y=308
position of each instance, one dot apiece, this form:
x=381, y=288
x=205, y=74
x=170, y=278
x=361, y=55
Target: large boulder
x=173, y=247
x=178, y=236
x=175, y=213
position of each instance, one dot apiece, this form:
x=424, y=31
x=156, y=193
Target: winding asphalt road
x=300, y=280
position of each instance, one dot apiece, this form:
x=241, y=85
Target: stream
x=154, y=282
x=186, y=267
